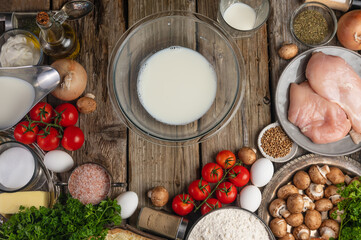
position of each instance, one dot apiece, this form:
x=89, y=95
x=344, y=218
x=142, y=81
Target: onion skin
x=73, y=79
x=349, y=30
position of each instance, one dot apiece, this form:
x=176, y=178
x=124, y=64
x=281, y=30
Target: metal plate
x=295, y=73
x=285, y=174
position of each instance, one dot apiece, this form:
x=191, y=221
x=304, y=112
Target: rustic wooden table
x=129, y=157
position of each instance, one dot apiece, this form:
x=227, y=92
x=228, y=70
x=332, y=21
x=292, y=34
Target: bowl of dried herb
x=313, y=24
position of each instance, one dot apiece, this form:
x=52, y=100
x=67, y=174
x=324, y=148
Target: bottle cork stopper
x=42, y=18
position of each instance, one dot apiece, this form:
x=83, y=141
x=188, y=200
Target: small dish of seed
x=275, y=145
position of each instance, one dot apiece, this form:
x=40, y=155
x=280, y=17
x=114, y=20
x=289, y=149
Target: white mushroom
x=315, y=191
x=278, y=208
x=295, y=203
x=301, y=232
x=335, y=175
x=278, y=227
x=331, y=193
x=313, y=219
x=318, y=175
x=307, y=203
x=302, y=180
x=285, y=191
x=329, y=229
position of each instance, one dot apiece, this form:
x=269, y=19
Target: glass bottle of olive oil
x=57, y=39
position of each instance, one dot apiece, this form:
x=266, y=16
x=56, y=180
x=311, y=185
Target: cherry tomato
x=210, y=205
x=42, y=112
x=226, y=192
x=26, y=133
x=73, y=138
x=239, y=176
x=199, y=190
x=66, y=115
x=48, y=141
x=182, y=204
x=226, y=159
x=212, y=172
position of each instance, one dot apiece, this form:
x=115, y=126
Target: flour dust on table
x=177, y=85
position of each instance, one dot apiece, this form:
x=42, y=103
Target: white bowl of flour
x=230, y=223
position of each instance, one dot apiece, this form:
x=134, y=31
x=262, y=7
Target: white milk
x=240, y=16
x=177, y=85
x=16, y=98
x=17, y=167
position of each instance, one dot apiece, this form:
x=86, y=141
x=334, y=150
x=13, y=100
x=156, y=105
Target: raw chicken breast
x=320, y=120
x=332, y=78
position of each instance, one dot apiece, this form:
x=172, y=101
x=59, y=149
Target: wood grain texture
x=255, y=111
x=105, y=135
x=151, y=165
x=24, y=5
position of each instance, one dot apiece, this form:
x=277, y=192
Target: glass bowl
x=30, y=37
x=262, y=11
x=326, y=12
x=160, y=31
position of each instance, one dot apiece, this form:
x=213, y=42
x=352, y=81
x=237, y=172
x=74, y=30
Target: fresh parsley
x=351, y=205
x=69, y=219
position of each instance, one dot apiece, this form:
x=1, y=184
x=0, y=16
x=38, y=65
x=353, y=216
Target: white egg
x=250, y=198
x=261, y=172
x=128, y=201
x=58, y=161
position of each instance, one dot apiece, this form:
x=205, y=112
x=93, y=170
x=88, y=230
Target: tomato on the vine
x=25, y=132
x=212, y=172
x=226, y=159
x=42, y=111
x=182, y=204
x=66, y=115
x=48, y=140
x=210, y=205
x=226, y=192
x=73, y=138
x=239, y=176
x=199, y=189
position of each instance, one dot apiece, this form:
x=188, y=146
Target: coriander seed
x=276, y=143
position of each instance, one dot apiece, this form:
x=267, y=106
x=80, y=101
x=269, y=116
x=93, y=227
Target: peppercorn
x=276, y=143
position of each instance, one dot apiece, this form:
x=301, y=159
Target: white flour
x=229, y=224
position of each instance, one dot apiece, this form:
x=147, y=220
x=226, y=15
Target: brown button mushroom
x=278, y=227
x=301, y=232
x=335, y=175
x=315, y=191
x=329, y=229
x=318, y=175
x=247, y=155
x=313, y=219
x=295, y=219
x=288, y=236
x=307, y=203
x=277, y=208
x=286, y=191
x=355, y=179
x=159, y=196
x=335, y=214
x=323, y=205
x=301, y=180
x=331, y=193
x=295, y=203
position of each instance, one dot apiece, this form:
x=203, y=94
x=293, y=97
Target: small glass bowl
x=326, y=12
x=13, y=32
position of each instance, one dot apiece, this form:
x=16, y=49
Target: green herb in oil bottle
x=310, y=27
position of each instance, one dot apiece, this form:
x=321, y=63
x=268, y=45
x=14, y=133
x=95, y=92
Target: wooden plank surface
x=105, y=134
x=151, y=165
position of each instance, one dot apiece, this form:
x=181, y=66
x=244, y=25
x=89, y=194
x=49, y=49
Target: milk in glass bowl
x=176, y=78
